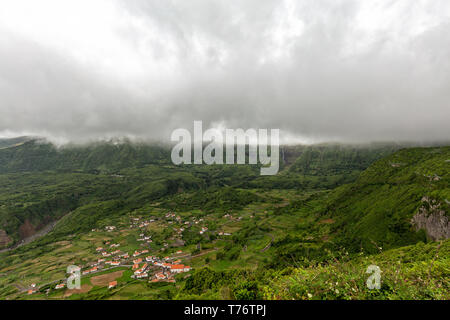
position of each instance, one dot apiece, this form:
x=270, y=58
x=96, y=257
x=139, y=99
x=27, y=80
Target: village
x=148, y=262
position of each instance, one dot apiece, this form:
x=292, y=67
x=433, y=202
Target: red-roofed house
x=136, y=253
x=160, y=276
x=142, y=275
x=177, y=268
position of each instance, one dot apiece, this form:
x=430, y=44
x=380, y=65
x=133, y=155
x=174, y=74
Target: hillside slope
x=40, y=183
x=241, y=241
x=418, y=271
x=37, y=155
x=378, y=209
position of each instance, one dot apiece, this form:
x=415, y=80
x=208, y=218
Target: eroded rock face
x=433, y=219
x=4, y=239
x=26, y=229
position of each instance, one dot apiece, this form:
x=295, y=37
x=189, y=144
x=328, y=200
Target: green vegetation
x=309, y=232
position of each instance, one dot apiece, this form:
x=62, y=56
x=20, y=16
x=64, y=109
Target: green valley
x=140, y=227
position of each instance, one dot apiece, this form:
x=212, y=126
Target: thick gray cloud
x=318, y=70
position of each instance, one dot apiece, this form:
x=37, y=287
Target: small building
x=178, y=268
x=160, y=276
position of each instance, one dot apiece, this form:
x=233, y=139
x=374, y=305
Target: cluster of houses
x=143, y=237
x=140, y=271
x=138, y=253
x=151, y=267
x=136, y=222
x=91, y=270
x=144, y=224
x=174, y=267
x=113, y=263
x=110, y=228
x=179, y=231
x=167, y=272
x=168, y=268
x=172, y=217
x=33, y=289
x=159, y=276
x=117, y=254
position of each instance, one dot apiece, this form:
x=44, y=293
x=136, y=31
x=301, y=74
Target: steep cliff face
x=432, y=218
x=26, y=229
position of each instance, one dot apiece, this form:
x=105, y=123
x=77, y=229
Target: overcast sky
x=318, y=70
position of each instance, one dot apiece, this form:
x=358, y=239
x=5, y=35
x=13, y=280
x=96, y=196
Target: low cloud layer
x=318, y=70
